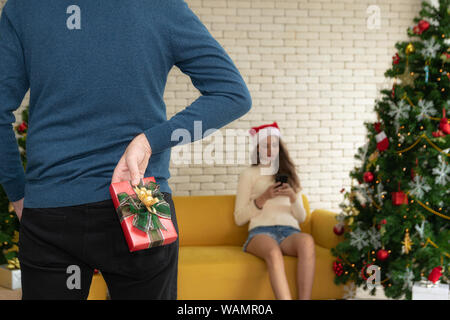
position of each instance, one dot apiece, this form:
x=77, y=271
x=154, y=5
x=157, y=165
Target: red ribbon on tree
x=435, y=274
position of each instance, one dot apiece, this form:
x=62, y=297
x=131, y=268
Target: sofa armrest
x=322, y=223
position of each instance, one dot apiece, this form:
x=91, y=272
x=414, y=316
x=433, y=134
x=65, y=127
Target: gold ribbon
x=414, y=106
x=436, y=246
x=424, y=136
x=426, y=207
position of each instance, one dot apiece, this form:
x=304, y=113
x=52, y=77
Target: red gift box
x=143, y=226
x=399, y=197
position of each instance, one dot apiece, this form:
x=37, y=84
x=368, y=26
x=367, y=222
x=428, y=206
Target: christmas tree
x=9, y=223
x=396, y=215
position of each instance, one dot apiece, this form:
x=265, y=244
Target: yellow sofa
x=213, y=266
x=99, y=289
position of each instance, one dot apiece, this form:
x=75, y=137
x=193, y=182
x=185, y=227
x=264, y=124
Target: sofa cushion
x=226, y=272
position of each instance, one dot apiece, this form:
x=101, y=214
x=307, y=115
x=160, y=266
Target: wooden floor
x=8, y=294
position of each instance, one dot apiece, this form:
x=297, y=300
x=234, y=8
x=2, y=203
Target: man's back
x=97, y=72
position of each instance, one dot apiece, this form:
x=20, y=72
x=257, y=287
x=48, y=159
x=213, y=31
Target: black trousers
x=59, y=248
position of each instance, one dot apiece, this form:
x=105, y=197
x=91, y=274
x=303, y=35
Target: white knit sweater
x=276, y=211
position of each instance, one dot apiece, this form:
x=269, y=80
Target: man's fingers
x=133, y=163
x=133, y=166
x=117, y=171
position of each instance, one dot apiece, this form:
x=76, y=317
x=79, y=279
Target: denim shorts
x=278, y=232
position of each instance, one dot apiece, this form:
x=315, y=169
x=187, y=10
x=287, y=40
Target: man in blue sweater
x=97, y=71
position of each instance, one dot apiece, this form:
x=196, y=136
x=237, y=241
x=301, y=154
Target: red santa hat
x=266, y=130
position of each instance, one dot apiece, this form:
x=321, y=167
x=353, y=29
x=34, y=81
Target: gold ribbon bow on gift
x=147, y=208
x=13, y=264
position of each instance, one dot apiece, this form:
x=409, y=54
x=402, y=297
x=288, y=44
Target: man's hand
x=18, y=207
x=134, y=161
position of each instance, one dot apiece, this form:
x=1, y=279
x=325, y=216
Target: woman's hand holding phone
x=286, y=190
x=271, y=192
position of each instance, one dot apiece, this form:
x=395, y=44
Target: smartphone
x=281, y=178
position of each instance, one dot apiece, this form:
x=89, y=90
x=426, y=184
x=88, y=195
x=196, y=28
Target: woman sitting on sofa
x=275, y=210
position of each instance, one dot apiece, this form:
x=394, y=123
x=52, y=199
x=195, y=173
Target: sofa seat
x=229, y=270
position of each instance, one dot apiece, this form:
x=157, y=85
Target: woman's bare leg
x=267, y=248
x=302, y=246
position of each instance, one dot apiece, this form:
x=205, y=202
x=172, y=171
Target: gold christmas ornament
x=10, y=207
x=408, y=78
x=407, y=243
x=409, y=48
x=372, y=159
x=374, y=156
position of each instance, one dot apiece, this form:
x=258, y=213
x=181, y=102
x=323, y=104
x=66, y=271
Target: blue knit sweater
x=97, y=71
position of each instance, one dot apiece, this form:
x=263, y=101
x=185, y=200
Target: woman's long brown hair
x=286, y=166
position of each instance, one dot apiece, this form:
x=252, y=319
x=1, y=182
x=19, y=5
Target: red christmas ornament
x=438, y=133
x=377, y=126
x=96, y=271
x=381, y=223
x=435, y=274
x=382, y=140
x=396, y=59
x=399, y=197
x=423, y=26
x=338, y=229
x=444, y=126
x=338, y=268
x=368, y=176
x=22, y=127
x=382, y=254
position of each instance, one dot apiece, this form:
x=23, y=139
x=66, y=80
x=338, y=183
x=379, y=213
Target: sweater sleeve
x=297, y=208
x=13, y=87
x=224, y=94
x=245, y=207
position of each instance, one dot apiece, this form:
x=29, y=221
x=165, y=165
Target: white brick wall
x=313, y=66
